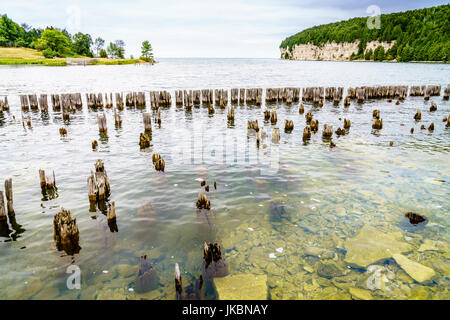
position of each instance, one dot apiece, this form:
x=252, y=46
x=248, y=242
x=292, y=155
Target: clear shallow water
x=328, y=194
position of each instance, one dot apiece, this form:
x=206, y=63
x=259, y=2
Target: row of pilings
x=222, y=97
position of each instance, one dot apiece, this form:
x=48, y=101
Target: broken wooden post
x=32, y=98
x=2, y=207
x=24, y=103
x=273, y=117
x=308, y=116
x=377, y=124
x=433, y=106
x=276, y=135
x=376, y=114
x=117, y=119
x=99, y=188
x=253, y=125
x=214, y=264
x=211, y=109
x=102, y=127
x=203, y=202
x=144, y=140
x=111, y=217
x=306, y=133
x=43, y=103
x=431, y=127
x=446, y=92
x=147, y=278
x=158, y=162
x=267, y=115
x=191, y=292
x=108, y=102
x=9, y=196
x=347, y=124
x=230, y=115
x=347, y=101
x=4, y=106
x=65, y=232
x=48, y=183
x=418, y=115
x=301, y=109
x=147, y=121
x=288, y=126
x=94, y=144
x=314, y=124
x=158, y=116
x=119, y=101
x=62, y=131
x=327, y=131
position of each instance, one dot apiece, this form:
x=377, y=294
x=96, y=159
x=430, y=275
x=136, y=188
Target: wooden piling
x=2, y=207
x=327, y=131
x=32, y=98
x=65, y=232
x=230, y=115
x=43, y=103
x=147, y=121
x=102, y=126
x=288, y=126
x=214, y=264
x=99, y=187
x=24, y=103
x=119, y=101
x=9, y=196
x=117, y=119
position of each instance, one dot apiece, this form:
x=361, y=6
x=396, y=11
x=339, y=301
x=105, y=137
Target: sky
x=197, y=28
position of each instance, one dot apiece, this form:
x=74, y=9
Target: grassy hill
x=421, y=35
x=18, y=56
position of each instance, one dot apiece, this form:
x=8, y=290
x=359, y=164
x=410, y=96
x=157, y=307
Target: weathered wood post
x=24, y=103
x=33, y=101
x=214, y=264
x=230, y=115
x=191, y=292
x=288, y=126
x=2, y=208
x=102, y=127
x=9, y=196
x=66, y=233
x=241, y=96
x=99, y=188
x=147, y=278
x=119, y=101
x=48, y=183
x=158, y=162
x=117, y=119
x=111, y=217
x=147, y=121
x=43, y=103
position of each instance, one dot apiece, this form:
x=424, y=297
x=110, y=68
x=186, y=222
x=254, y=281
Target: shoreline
x=62, y=62
x=363, y=60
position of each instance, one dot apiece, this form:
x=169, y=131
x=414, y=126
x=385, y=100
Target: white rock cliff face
x=330, y=51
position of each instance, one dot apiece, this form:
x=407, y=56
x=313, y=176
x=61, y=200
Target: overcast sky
x=196, y=28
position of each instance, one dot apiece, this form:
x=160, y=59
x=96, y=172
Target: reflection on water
x=289, y=210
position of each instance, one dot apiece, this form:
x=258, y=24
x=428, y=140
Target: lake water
x=324, y=196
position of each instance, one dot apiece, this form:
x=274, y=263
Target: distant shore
x=26, y=56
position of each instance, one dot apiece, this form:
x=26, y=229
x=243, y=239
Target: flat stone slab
x=360, y=294
x=241, y=287
x=371, y=245
x=415, y=270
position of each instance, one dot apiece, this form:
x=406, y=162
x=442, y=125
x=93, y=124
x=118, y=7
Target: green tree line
x=420, y=35
x=54, y=42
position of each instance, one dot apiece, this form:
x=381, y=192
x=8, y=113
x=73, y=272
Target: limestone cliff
x=330, y=51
